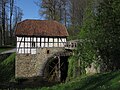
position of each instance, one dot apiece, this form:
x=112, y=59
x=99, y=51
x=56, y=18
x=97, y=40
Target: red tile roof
x=40, y=28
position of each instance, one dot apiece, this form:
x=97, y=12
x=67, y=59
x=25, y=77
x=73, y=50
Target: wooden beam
x=40, y=42
x=20, y=44
x=59, y=71
x=24, y=45
x=30, y=45
x=48, y=41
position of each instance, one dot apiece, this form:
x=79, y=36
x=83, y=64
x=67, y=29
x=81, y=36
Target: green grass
x=7, y=70
x=106, y=81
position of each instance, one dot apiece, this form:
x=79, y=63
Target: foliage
x=53, y=9
x=99, y=36
x=71, y=70
x=7, y=69
x=68, y=12
x=108, y=28
x=86, y=52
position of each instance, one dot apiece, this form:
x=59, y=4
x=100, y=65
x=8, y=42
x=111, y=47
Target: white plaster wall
x=50, y=39
x=46, y=39
x=33, y=50
x=55, y=40
x=55, y=44
x=22, y=44
x=38, y=39
x=34, y=39
x=18, y=44
x=38, y=44
x=42, y=39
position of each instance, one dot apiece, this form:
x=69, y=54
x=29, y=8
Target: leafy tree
x=99, y=38
x=108, y=38
x=86, y=52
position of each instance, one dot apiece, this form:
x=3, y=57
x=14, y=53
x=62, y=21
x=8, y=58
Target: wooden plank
x=59, y=71
x=30, y=45
x=24, y=45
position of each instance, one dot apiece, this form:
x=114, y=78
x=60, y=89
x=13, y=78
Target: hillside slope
x=7, y=70
x=106, y=81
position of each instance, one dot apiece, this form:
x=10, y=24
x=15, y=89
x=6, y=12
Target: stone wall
x=92, y=69
x=31, y=65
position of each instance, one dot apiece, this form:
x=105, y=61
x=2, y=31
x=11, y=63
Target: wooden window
x=48, y=51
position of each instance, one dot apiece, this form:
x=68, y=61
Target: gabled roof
x=40, y=28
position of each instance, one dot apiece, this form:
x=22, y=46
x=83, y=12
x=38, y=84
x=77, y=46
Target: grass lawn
x=105, y=81
x=7, y=71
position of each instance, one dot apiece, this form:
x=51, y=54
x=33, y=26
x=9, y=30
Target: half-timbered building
x=42, y=50
x=37, y=40
x=33, y=34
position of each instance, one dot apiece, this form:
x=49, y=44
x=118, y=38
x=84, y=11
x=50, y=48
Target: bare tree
x=11, y=14
x=76, y=13
x=3, y=19
x=54, y=10
x=0, y=23
x=18, y=13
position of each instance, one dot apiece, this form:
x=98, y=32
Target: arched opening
x=56, y=69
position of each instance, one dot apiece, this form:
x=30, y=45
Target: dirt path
x=9, y=51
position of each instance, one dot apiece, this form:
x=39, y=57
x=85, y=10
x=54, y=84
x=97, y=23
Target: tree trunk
x=11, y=13
x=3, y=20
x=0, y=36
